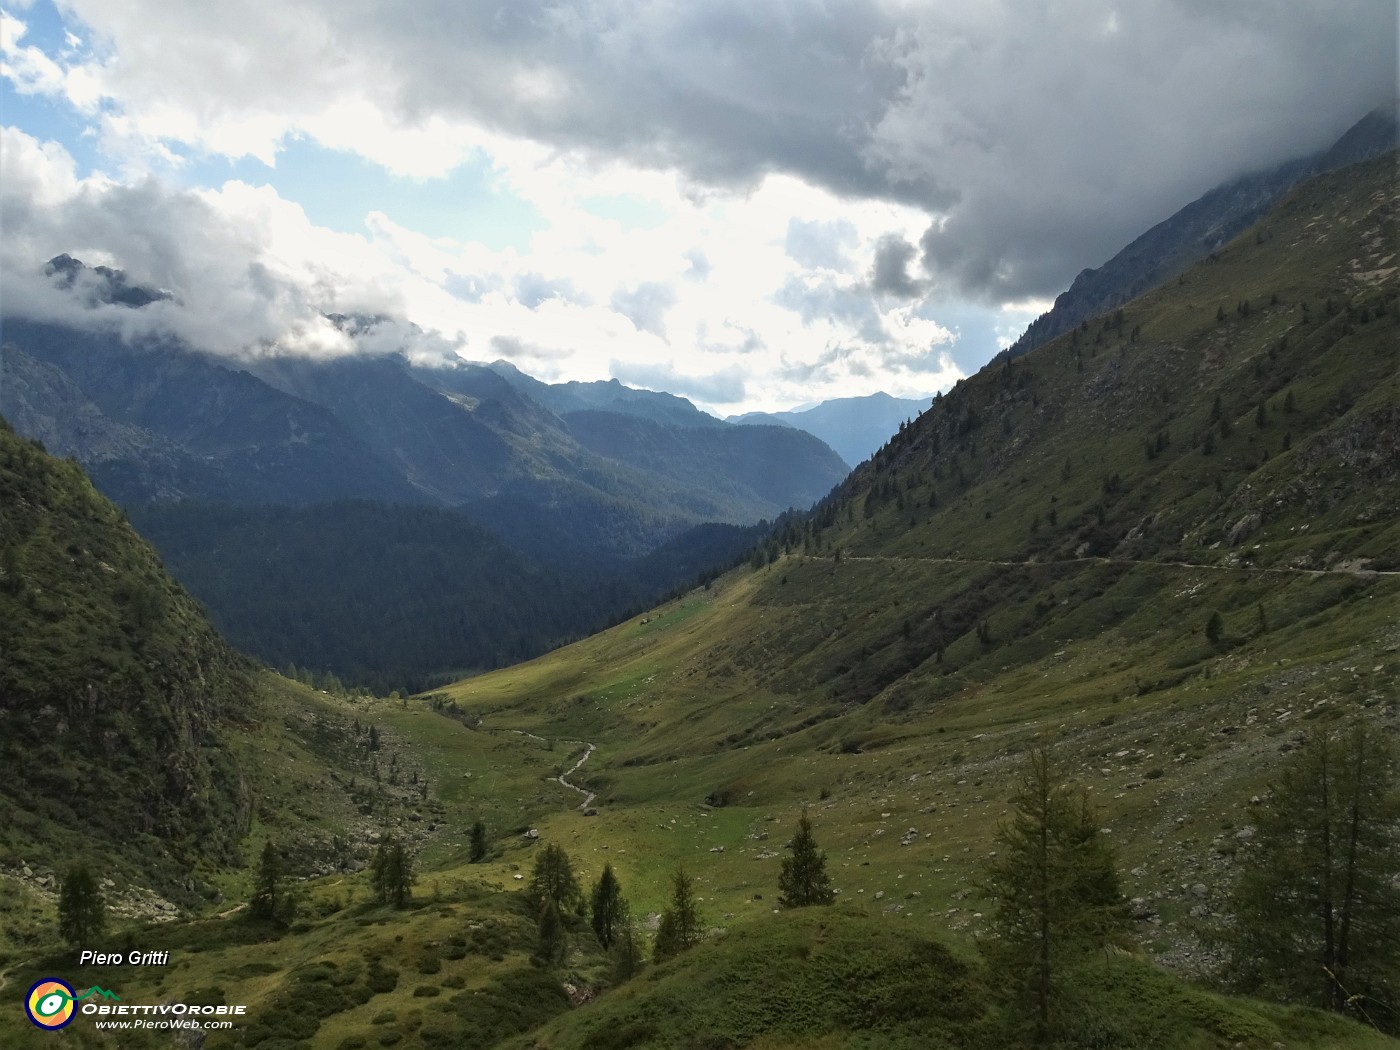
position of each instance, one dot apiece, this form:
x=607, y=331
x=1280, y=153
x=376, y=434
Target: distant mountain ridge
x=854, y=426
x=560, y=519
x=606, y=396
x=1199, y=229
x=155, y=421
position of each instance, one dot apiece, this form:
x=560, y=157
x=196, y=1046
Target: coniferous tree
x=553, y=938
x=82, y=912
x=1317, y=905
x=1055, y=893
x=267, y=884
x=1214, y=626
x=391, y=873
x=553, y=879
x=607, y=907
x=478, y=843
x=803, y=880
x=627, y=948
x=681, y=927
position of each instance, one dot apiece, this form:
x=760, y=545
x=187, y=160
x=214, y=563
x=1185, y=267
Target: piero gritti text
x=132, y=958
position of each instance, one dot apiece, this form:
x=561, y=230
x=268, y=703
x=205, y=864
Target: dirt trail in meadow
x=1343, y=570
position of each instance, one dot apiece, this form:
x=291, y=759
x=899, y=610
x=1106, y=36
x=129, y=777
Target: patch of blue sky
x=339, y=189
x=46, y=118
x=52, y=120
x=45, y=28
x=974, y=328
x=631, y=213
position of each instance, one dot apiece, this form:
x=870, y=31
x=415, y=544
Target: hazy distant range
x=854, y=426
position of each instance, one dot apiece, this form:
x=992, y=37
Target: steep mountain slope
x=206, y=431
x=401, y=597
x=133, y=738
x=1038, y=558
x=1199, y=229
x=114, y=690
x=854, y=426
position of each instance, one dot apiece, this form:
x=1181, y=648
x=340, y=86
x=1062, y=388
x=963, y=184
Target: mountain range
x=580, y=498
x=854, y=426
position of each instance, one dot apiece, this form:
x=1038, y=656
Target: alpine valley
x=1164, y=543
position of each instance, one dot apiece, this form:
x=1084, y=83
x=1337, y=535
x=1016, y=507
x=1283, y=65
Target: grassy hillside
x=114, y=690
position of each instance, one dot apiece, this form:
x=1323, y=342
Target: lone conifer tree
x=392, y=873
x=1055, y=891
x=82, y=913
x=803, y=880
x=608, y=908
x=478, y=843
x=1317, y=905
x=267, y=884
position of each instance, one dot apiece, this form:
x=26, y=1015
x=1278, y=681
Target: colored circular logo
x=50, y=1003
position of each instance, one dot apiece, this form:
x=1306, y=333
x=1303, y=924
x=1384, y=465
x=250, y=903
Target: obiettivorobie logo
x=51, y=1003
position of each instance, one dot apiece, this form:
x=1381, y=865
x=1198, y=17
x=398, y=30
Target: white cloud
x=591, y=299
x=1036, y=138
x=823, y=181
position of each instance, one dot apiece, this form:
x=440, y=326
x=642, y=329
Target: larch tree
x=82, y=912
x=267, y=884
x=553, y=880
x=1055, y=893
x=391, y=873
x=478, y=844
x=1316, y=913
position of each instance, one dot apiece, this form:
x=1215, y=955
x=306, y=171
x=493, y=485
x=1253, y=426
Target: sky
x=751, y=203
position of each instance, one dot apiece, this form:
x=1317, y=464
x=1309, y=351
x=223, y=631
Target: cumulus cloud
x=840, y=197
x=645, y=306
x=1036, y=139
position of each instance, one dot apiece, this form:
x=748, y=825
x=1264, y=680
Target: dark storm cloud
x=1038, y=138
x=890, y=274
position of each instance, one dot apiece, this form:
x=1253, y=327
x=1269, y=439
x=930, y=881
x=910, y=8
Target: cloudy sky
x=753, y=203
